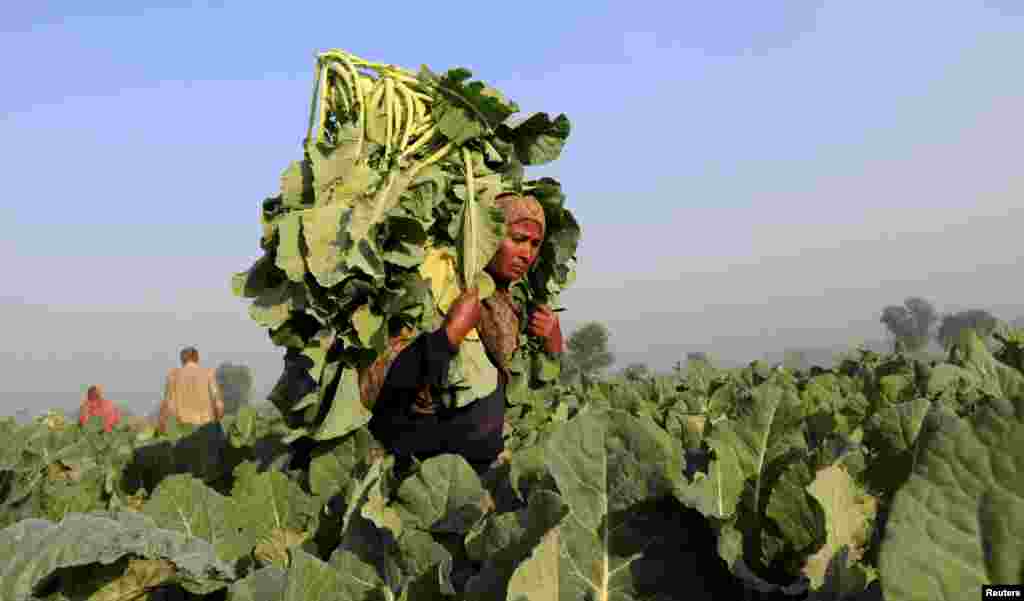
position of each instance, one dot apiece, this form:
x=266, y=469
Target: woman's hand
x=543, y=321
x=463, y=316
x=544, y=324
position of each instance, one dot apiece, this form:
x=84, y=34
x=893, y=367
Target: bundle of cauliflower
x=388, y=216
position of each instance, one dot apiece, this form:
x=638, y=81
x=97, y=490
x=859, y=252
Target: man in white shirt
x=191, y=394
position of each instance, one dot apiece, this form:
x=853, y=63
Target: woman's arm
x=424, y=364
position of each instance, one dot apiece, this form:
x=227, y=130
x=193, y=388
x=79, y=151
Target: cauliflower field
x=879, y=478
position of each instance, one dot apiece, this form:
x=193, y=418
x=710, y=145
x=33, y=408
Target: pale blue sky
x=748, y=175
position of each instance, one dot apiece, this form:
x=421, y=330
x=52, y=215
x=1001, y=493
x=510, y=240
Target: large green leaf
x=847, y=579
x=264, y=584
x=953, y=385
x=327, y=242
x=297, y=185
x=310, y=578
x=306, y=579
x=520, y=551
x=289, y=249
x=849, y=513
x=895, y=388
x=378, y=548
x=266, y=501
x=359, y=579
x=958, y=521
x=894, y=429
x=33, y=550
x=444, y=496
x=742, y=449
x=537, y=138
x=483, y=228
x=369, y=326
x=73, y=491
x=892, y=433
x=471, y=375
x=465, y=109
x=716, y=492
x=425, y=191
x=536, y=578
x=799, y=515
x=406, y=240
x=347, y=412
x=340, y=174
x=252, y=283
x=336, y=469
x=998, y=380
x=125, y=580
x=607, y=465
x=184, y=504
x=367, y=215
x=275, y=305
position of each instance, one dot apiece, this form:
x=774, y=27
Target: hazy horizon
x=133, y=375
x=748, y=178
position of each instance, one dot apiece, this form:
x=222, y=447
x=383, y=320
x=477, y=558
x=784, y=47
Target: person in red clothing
x=95, y=404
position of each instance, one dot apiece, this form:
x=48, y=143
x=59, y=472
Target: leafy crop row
x=881, y=477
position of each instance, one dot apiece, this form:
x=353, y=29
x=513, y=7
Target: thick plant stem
x=437, y=156
x=469, y=262
x=314, y=100
x=423, y=139
x=318, y=107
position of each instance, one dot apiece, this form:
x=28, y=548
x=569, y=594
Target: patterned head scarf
x=521, y=208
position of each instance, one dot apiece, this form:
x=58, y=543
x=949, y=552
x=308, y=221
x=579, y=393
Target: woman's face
x=517, y=252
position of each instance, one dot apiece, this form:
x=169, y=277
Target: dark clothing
x=473, y=431
x=201, y=453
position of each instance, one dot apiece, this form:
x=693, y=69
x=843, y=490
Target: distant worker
x=191, y=394
x=96, y=405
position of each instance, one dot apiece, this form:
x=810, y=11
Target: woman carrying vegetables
x=406, y=419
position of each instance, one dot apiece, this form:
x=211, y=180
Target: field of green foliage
x=882, y=477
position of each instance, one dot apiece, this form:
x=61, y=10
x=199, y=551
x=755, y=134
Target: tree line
x=912, y=327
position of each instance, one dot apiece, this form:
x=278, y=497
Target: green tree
x=910, y=324
x=697, y=356
x=588, y=350
x=236, y=384
x=569, y=373
x=979, y=320
x=636, y=372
